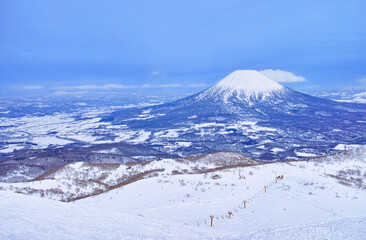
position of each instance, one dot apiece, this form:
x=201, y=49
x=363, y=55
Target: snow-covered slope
x=244, y=85
x=80, y=180
x=355, y=95
x=249, y=81
x=316, y=199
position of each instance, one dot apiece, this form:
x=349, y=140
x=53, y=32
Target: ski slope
x=313, y=201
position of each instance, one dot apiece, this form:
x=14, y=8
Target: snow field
x=61, y=129
x=191, y=199
x=307, y=204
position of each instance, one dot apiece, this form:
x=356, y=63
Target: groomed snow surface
x=308, y=203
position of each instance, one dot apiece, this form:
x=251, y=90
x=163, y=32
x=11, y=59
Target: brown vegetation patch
x=103, y=166
x=350, y=178
x=49, y=173
x=129, y=180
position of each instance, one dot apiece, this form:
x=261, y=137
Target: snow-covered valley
x=259, y=160
x=322, y=198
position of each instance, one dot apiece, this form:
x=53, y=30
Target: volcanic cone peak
x=245, y=85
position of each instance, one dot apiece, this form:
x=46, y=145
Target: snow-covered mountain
x=244, y=85
x=246, y=112
x=355, y=95
x=249, y=113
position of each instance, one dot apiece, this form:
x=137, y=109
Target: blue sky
x=89, y=45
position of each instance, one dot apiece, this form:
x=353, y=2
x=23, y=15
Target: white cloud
x=160, y=85
x=197, y=85
x=96, y=87
x=282, y=76
x=63, y=93
x=154, y=73
x=173, y=85
x=30, y=87
x=362, y=80
x=119, y=86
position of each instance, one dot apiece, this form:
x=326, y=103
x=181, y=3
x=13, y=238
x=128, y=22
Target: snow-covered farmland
x=85, y=127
